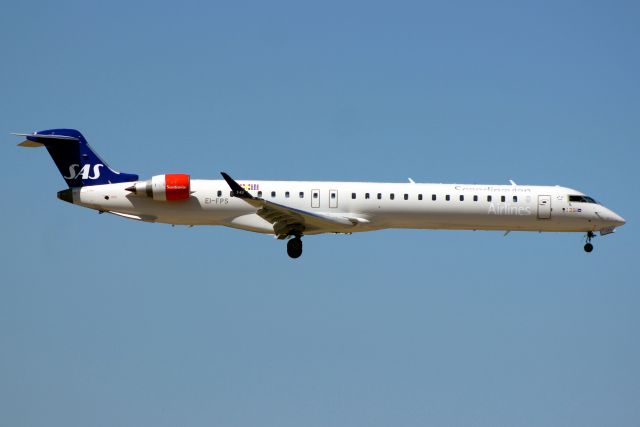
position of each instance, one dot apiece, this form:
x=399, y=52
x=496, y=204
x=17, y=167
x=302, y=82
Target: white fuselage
x=375, y=206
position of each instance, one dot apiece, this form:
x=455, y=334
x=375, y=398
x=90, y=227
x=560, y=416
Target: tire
x=294, y=247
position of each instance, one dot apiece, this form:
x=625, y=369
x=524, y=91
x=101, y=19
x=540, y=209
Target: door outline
x=315, y=198
x=544, y=207
x=333, y=198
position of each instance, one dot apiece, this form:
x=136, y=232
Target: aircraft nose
x=609, y=218
x=618, y=220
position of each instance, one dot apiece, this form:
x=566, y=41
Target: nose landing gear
x=294, y=247
x=588, y=247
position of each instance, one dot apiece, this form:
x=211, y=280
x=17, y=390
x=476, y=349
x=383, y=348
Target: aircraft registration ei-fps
x=292, y=209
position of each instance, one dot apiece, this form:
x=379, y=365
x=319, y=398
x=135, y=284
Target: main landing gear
x=588, y=247
x=294, y=247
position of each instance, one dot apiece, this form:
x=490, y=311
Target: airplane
x=293, y=209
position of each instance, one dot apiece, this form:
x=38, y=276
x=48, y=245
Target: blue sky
x=109, y=322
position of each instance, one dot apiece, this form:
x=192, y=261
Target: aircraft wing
x=288, y=221
x=146, y=218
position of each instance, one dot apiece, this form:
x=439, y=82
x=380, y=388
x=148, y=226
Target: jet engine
x=169, y=187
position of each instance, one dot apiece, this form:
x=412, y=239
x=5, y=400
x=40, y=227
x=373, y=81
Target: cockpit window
x=581, y=199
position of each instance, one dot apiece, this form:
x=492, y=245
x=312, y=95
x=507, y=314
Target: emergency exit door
x=315, y=198
x=544, y=207
x=333, y=198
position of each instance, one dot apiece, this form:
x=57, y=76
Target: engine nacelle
x=168, y=187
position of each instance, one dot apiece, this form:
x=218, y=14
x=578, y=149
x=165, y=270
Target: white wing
x=288, y=221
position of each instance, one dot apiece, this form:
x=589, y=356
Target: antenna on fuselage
x=512, y=182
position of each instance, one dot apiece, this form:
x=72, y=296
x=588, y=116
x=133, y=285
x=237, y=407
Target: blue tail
x=79, y=165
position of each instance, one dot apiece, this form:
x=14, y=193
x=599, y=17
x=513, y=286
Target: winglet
x=237, y=189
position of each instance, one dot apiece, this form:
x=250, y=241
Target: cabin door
x=315, y=198
x=333, y=198
x=544, y=207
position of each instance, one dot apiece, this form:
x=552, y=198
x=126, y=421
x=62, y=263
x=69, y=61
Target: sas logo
x=85, y=173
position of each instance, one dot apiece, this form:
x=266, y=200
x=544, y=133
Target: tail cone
x=66, y=195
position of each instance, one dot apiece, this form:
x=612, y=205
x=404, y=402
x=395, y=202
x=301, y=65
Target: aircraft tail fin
x=78, y=164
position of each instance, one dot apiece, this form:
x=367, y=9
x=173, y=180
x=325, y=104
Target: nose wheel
x=588, y=247
x=294, y=247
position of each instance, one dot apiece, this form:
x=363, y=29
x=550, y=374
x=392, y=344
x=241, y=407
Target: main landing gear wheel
x=588, y=247
x=294, y=247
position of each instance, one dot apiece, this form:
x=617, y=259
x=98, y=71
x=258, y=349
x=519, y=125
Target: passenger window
x=433, y=197
x=286, y=194
x=406, y=197
x=301, y=194
x=379, y=196
x=353, y=195
x=503, y=198
x=219, y=193
x=315, y=195
x=489, y=198
x=515, y=199
x=273, y=194
x=333, y=195
x=447, y=197
x=461, y=198
x=475, y=198
x=392, y=196
x=231, y=193
x=419, y=196
x=259, y=193
x=366, y=195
